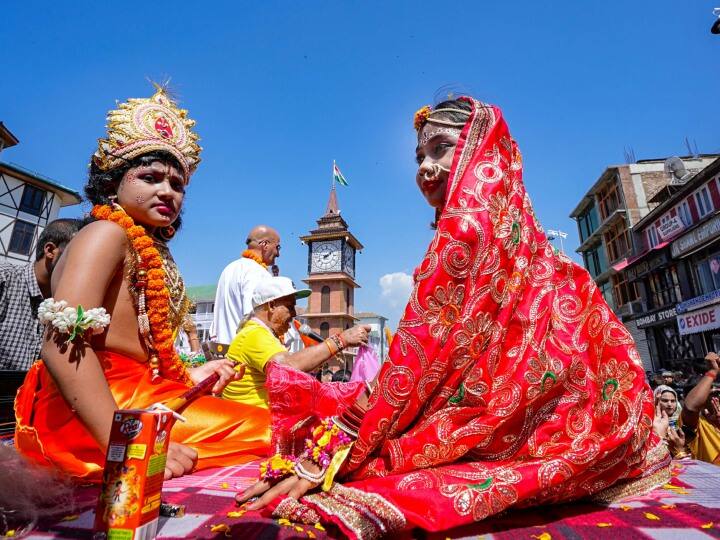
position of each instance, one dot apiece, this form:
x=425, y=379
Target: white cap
x=272, y=288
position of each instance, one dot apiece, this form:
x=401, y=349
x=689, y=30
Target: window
x=595, y=261
x=623, y=291
x=587, y=223
x=617, y=241
x=325, y=330
x=663, y=288
x=652, y=237
x=606, y=291
x=703, y=201
x=325, y=300
x=32, y=200
x=21, y=240
x=608, y=199
x=347, y=299
x=684, y=213
x=708, y=273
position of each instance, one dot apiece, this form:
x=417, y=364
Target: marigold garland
x=157, y=295
x=249, y=254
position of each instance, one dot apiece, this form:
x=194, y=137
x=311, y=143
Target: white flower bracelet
x=72, y=321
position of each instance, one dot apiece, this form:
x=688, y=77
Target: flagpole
x=333, y=176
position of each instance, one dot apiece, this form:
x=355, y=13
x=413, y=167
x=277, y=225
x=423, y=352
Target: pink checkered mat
x=688, y=508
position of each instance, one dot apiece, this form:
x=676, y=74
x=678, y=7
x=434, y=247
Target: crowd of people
x=687, y=412
x=509, y=382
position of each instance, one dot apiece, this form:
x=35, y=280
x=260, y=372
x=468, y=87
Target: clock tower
x=331, y=272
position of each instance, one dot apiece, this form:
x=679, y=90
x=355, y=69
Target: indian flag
x=338, y=176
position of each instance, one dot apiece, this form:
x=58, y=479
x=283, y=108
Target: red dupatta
x=510, y=382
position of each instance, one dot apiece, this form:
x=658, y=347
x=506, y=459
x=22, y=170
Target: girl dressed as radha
x=509, y=383
x=118, y=301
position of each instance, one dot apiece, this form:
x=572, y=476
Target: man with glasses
x=233, y=299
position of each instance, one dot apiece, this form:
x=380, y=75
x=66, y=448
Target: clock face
x=326, y=256
x=349, y=260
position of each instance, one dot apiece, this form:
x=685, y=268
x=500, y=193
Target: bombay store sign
x=659, y=317
x=699, y=321
x=696, y=238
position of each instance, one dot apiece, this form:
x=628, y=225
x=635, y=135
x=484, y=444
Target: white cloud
x=396, y=288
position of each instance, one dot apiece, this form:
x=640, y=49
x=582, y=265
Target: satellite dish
x=675, y=168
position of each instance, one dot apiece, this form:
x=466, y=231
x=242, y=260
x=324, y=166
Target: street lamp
x=716, y=26
x=553, y=234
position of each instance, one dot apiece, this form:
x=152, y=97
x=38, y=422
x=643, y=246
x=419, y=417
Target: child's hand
x=181, y=460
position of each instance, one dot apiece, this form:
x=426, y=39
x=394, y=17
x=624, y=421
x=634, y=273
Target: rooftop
x=68, y=196
x=6, y=137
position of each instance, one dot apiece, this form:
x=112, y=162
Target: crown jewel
x=143, y=125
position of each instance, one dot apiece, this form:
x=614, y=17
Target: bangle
x=682, y=455
x=712, y=374
x=313, y=478
x=339, y=343
x=330, y=345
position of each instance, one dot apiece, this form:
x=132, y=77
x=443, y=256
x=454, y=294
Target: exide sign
x=699, y=321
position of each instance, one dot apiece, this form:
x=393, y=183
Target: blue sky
x=280, y=89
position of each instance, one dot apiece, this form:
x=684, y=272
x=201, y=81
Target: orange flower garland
x=248, y=254
x=151, y=278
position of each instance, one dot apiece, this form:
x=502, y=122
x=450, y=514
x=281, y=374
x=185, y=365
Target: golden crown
x=143, y=125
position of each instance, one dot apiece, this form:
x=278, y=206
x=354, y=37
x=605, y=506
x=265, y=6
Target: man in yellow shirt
x=700, y=419
x=258, y=342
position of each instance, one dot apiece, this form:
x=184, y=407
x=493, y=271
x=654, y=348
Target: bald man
x=233, y=299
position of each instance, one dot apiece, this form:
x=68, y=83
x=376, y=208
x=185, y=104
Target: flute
x=200, y=388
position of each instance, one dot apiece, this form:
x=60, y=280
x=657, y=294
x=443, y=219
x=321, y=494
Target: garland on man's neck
x=250, y=254
x=153, y=294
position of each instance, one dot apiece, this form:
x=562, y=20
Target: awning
x=620, y=265
x=636, y=258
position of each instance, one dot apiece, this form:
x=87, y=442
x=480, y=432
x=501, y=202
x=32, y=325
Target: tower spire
x=332, y=205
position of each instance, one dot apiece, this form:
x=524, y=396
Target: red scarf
x=510, y=382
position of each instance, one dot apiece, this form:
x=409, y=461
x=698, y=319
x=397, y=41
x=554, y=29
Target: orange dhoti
x=50, y=433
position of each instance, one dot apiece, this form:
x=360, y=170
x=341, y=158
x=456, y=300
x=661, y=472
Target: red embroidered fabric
x=510, y=382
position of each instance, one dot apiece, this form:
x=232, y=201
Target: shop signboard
x=643, y=267
x=670, y=228
x=701, y=320
x=699, y=301
x=696, y=238
x=658, y=317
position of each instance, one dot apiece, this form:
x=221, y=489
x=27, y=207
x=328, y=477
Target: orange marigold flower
x=101, y=211
x=156, y=273
x=156, y=284
x=421, y=116
x=142, y=242
x=149, y=253
x=116, y=215
x=126, y=222
x=136, y=231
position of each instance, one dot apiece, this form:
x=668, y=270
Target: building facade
x=377, y=339
x=607, y=217
x=676, y=269
x=28, y=202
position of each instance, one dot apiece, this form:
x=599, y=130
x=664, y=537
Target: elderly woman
x=509, y=382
